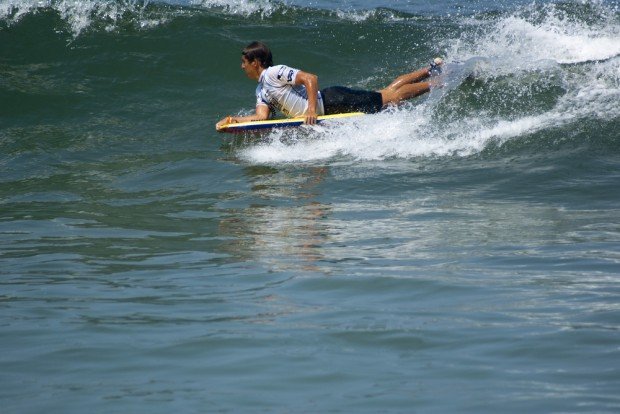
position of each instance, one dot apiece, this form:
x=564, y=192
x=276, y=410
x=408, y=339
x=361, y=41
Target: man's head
x=260, y=52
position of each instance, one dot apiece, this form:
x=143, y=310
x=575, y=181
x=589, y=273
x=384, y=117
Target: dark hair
x=260, y=51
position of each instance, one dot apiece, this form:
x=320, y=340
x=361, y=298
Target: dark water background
x=458, y=254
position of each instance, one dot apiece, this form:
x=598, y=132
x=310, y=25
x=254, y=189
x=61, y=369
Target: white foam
x=546, y=34
x=79, y=14
x=14, y=10
x=264, y=8
x=359, y=16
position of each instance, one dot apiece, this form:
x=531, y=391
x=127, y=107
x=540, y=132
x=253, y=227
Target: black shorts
x=338, y=100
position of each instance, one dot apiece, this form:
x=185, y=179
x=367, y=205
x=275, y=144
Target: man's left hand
x=310, y=117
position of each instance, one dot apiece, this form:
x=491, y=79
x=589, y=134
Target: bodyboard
x=280, y=123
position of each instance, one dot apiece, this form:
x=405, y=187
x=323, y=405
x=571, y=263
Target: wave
x=563, y=34
x=540, y=71
x=109, y=15
x=415, y=131
x=410, y=133
x=245, y=8
x=84, y=14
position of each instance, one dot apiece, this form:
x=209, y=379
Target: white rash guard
x=277, y=90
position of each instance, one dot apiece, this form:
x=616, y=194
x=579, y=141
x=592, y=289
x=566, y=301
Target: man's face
x=250, y=68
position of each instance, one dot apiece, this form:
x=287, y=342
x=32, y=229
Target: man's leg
x=408, y=91
x=407, y=86
x=408, y=78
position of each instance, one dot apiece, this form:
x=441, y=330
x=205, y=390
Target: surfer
x=296, y=93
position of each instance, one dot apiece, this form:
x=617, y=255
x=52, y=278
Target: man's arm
x=262, y=113
x=311, y=82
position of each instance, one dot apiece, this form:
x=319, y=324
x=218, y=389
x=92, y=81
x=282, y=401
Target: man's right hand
x=224, y=121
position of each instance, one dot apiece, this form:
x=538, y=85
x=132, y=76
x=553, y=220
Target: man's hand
x=262, y=113
x=228, y=120
x=310, y=117
x=311, y=82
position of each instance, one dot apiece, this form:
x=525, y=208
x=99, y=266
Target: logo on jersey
x=280, y=72
x=289, y=76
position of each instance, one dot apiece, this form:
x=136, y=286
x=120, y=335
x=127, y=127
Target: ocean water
x=459, y=253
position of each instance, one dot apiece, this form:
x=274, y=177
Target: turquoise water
x=460, y=253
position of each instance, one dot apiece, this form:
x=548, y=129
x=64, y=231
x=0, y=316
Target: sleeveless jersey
x=276, y=89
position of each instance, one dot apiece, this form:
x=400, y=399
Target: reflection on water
x=285, y=225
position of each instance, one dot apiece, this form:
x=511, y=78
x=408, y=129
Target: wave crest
x=263, y=8
x=565, y=35
x=81, y=15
